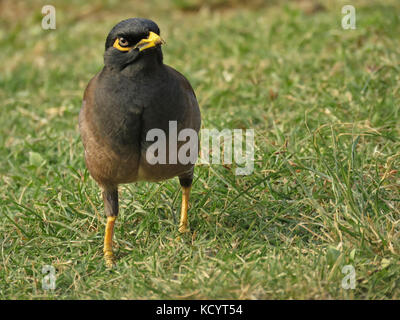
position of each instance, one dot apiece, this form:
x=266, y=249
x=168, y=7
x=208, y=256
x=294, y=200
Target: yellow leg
x=108, y=253
x=183, y=225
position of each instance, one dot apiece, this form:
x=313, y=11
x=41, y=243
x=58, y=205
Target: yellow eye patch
x=117, y=46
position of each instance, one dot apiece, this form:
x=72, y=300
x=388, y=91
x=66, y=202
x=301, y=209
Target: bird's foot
x=109, y=258
x=184, y=228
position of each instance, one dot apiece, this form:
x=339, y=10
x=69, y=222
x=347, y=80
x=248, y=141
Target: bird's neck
x=147, y=64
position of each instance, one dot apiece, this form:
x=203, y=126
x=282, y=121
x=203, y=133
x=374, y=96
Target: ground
x=324, y=104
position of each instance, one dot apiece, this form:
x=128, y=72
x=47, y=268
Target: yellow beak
x=152, y=40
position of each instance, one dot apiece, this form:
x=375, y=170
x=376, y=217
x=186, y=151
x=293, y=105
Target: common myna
x=134, y=93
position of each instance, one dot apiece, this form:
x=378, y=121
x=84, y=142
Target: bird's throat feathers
x=132, y=63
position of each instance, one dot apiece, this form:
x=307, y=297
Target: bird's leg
x=110, y=198
x=186, y=184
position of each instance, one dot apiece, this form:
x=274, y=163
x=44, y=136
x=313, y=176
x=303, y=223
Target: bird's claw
x=183, y=228
x=109, y=258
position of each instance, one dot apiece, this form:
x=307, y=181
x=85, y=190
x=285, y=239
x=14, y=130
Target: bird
x=133, y=94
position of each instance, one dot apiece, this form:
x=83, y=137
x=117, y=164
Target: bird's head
x=133, y=41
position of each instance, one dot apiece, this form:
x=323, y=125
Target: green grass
x=324, y=104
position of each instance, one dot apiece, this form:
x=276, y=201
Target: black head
x=133, y=41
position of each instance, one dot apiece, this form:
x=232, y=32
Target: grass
x=324, y=104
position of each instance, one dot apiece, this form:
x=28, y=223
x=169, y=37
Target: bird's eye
x=123, y=42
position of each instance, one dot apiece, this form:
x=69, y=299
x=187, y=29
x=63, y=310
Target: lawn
x=323, y=102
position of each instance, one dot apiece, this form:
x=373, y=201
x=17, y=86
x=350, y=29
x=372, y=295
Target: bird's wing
x=193, y=118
